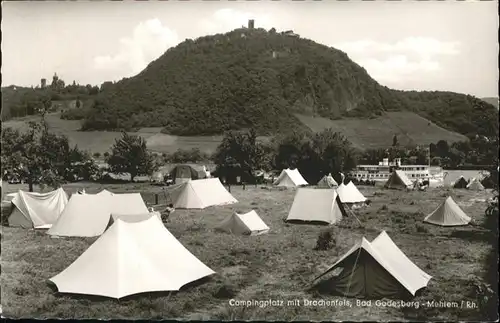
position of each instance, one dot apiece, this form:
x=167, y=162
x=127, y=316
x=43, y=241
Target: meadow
x=280, y=265
x=410, y=128
x=364, y=134
x=101, y=141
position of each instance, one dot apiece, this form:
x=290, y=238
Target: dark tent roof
x=188, y=171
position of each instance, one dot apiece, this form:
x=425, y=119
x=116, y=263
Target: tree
x=239, y=154
x=129, y=154
x=328, y=152
x=442, y=148
x=316, y=155
x=395, y=141
x=39, y=156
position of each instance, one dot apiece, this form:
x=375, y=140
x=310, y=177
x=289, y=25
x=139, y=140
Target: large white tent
x=376, y=270
x=448, y=213
x=249, y=223
x=88, y=215
x=131, y=257
x=37, y=210
x=314, y=205
x=350, y=194
x=290, y=178
x=200, y=193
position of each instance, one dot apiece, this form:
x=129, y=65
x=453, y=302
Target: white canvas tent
x=350, y=194
x=88, y=215
x=327, y=182
x=398, y=180
x=448, y=214
x=290, y=178
x=200, y=193
x=131, y=257
x=314, y=205
x=37, y=210
x=249, y=223
x=475, y=185
x=376, y=270
x=135, y=217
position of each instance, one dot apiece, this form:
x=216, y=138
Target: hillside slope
x=410, y=129
x=492, y=101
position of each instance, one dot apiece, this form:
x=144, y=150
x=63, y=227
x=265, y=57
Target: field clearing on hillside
x=101, y=141
x=409, y=127
x=279, y=265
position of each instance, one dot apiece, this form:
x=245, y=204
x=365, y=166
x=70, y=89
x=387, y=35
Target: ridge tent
x=132, y=256
x=135, y=217
x=475, y=185
x=376, y=270
x=37, y=210
x=461, y=182
x=290, y=178
x=249, y=223
x=327, y=182
x=316, y=205
x=88, y=215
x=448, y=214
x=398, y=180
x=184, y=173
x=350, y=194
x=199, y=194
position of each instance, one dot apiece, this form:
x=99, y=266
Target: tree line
x=316, y=155
x=39, y=156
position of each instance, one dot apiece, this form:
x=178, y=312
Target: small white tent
x=350, y=194
x=199, y=194
x=376, y=270
x=290, y=178
x=37, y=210
x=316, y=205
x=131, y=257
x=398, y=180
x=448, y=214
x=327, y=182
x=475, y=185
x=249, y=223
x=89, y=215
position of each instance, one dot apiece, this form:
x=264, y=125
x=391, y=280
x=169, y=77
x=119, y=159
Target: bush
x=326, y=240
x=74, y=114
x=96, y=155
x=226, y=291
x=193, y=155
x=422, y=229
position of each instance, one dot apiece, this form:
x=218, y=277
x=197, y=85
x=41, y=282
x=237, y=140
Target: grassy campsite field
x=278, y=266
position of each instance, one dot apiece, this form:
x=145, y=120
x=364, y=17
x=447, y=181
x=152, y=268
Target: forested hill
x=240, y=79
x=258, y=78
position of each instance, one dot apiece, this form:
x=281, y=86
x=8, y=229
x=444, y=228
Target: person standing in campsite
x=166, y=213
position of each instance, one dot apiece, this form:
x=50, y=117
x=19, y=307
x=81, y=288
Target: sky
x=407, y=45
